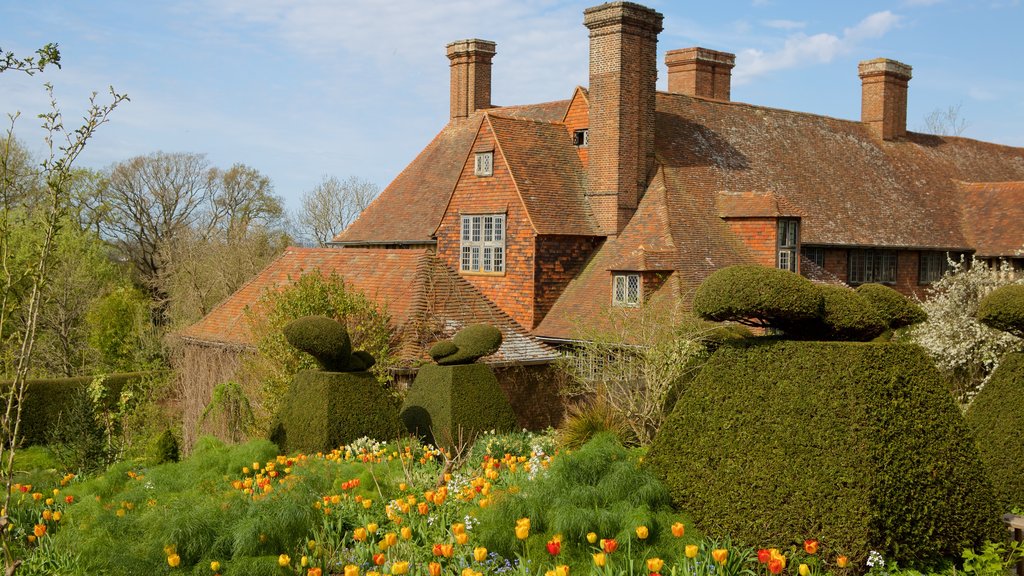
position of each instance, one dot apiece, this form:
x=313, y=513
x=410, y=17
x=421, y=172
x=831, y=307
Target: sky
x=303, y=89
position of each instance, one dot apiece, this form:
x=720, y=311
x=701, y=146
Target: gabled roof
x=548, y=175
x=426, y=299
x=993, y=217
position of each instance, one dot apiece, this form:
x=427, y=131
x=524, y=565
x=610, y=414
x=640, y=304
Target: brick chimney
x=883, y=105
x=700, y=72
x=471, y=76
x=623, y=74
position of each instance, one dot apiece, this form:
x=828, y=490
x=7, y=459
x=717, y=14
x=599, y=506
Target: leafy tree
x=332, y=205
x=120, y=330
x=963, y=348
x=22, y=289
x=313, y=294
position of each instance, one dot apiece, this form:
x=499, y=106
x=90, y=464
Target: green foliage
x=758, y=296
x=997, y=417
x=231, y=407
x=469, y=345
x=323, y=338
x=517, y=443
x=166, y=448
x=312, y=294
x=585, y=420
x=118, y=325
x=846, y=315
x=856, y=444
x=995, y=558
x=894, y=308
x=1003, y=309
x=452, y=405
x=76, y=438
x=599, y=488
x=325, y=410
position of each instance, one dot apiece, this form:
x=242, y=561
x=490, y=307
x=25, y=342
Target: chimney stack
x=470, y=76
x=700, y=72
x=883, y=104
x=623, y=74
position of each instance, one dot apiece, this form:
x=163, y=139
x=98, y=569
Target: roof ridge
x=488, y=114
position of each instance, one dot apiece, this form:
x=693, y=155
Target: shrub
x=453, y=404
x=857, y=444
x=846, y=315
x=997, y=417
x=323, y=338
x=1003, y=309
x=166, y=448
x=894, y=308
x=325, y=410
x=585, y=420
x=758, y=296
x=469, y=345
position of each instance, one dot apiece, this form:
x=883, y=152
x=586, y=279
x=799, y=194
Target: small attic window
x=626, y=290
x=484, y=164
x=581, y=138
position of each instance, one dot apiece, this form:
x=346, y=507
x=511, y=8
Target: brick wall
x=496, y=194
x=577, y=117
x=559, y=259
x=884, y=96
x=760, y=235
x=534, y=394
x=907, y=270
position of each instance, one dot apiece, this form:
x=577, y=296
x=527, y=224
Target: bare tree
x=946, y=122
x=332, y=205
x=243, y=198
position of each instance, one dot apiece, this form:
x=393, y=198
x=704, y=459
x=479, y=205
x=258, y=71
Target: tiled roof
x=993, y=217
x=545, y=112
x=426, y=299
x=409, y=209
x=753, y=205
x=548, y=174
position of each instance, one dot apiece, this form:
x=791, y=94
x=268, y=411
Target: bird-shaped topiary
x=469, y=344
x=327, y=341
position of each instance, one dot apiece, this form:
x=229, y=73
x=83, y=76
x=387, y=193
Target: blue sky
x=307, y=88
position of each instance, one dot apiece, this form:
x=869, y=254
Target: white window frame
x=627, y=290
x=482, y=245
x=581, y=138
x=787, y=241
x=484, y=164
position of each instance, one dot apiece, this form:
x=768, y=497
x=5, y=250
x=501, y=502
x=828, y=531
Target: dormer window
x=581, y=138
x=482, y=249
x=484, y=164
x=626, y=290
x=788, y=240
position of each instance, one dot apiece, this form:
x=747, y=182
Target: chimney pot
x=700, y=72
x=470, y=75
x=883, y=104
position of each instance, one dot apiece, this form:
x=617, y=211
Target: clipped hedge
x=997, y=418
x=447, y=404
x=895, y=309
x=1003, y=309
x=47, y=399
x=846, y=315
x=752, y=294
x=856, y=444
x=469, y=345
x=325, y=410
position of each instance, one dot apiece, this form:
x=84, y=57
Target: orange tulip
x=447, y=550
x=434, y=568
x=480, y=554
x=811, y=546
x=776, y=565
x=721, y=555
x=315, y=572
x=39, y=530
x=678, y=529
x=422, y=508
x=655, y=564
x=842, y=561
x=380, y=559
x=609, y=545
x=406, y=533
x=359, y=534
x=461, y=538
x=458, y=528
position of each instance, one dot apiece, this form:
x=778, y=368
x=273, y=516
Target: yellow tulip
x=173, y=560
x=721, y=555
x=642, y=533
x=600, y=559
x=655, y=564
x=461, y=538
x=400, y=568
x=351, y=570
x=561, y=570
x=467, y=571
x=283, y=560
x=804, y=570
x=523, y=532
x=458, y=528
x=406, y=533
x=367, y=504
x=591, y=537
x=691, y=550
x=304, y=561
x=359, y=534
x=480, y=553
x=391, y=538
x=214, y=566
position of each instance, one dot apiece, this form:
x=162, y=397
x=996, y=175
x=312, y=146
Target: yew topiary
x=1003, y=309
x=327, y=341
x=846, y=315
x=857, y=444
x=469, y=345
x=895, y=309
x=997, y=417
x=758, y=296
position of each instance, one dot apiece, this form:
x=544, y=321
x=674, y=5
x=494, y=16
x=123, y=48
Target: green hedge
x=469, y=345
x=997, y=418
x=777, y=298
x=1003, y=309
x=325, y=410
x=895, y=309
x=446, y=401
x=47, y=399
x=856, y=444
x=846, y=315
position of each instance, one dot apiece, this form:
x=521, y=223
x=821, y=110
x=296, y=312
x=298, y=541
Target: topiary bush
x=997, y=417
x=856, y=444
x=758, y=296
x=895, y=309
x=469, y=345
x=1003, y=309
x=845, y=315
x=327, y=341
x=325, y=410
x=448, y=405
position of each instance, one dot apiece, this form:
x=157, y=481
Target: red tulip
x=554, y=547
x=763, y=556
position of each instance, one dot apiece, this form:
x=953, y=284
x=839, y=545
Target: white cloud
x=801, y=49
x=785, y=24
